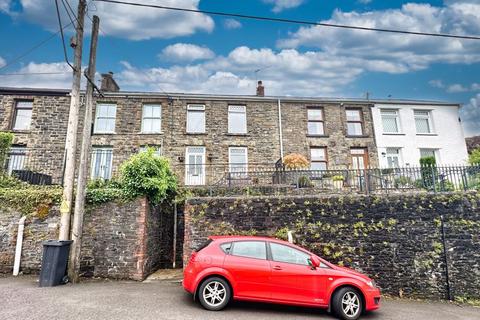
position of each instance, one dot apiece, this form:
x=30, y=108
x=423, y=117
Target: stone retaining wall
x=395, y=239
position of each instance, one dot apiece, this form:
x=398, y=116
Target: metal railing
x=370, y=180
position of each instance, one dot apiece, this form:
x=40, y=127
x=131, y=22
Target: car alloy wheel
x=214, y=294
x=350, y=304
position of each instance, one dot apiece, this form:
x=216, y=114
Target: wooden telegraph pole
x=77, y=228
x=71, y=141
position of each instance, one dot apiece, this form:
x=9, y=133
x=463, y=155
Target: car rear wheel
x=347, y=303
x=214, y=294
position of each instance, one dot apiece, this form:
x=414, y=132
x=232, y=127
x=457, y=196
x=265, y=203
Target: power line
x=302, y=22
x=35, y=47
x=61, y=33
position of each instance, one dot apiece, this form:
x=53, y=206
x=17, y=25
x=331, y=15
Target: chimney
x=108, y=83
x=260, y=89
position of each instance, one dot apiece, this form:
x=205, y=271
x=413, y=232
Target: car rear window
x=203, y=245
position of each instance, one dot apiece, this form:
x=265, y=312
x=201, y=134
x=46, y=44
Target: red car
x=270, y=270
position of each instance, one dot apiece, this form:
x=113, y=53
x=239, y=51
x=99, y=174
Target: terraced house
x=205, y=136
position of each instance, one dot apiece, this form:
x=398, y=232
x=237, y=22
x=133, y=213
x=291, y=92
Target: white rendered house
x=406, y=131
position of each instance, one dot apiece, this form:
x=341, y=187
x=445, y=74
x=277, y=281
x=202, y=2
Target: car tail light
x=192, y=257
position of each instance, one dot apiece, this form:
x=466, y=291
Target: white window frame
x=232, y=166
x=396, y=117
x=196, y=108
x=434, y=150
x=22, y=105
x=243, y=112
x=398, y=155
x=198, y=177
x=159, y=119
x=316, y=121
x=428, y=117
x=101, y=151
x=109, y=118
x=16, y=158
x=158, y=149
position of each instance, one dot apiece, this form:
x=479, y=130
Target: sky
x=167, y=51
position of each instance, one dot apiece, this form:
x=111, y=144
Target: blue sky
x=158, y=50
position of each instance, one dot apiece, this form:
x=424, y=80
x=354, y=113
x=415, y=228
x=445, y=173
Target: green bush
x=148, y=174
x=402, y=181
x=6, y=140
x=474, y=157
x=7, y=181
x=304, y=182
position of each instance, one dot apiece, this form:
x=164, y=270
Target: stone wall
x=395, y=239
x=120, y=240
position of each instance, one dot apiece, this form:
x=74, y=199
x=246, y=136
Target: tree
x=6, y=140
x=474, y=157
x=295, y=161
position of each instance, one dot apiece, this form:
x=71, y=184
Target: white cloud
x=457, y=88
x=365, y=1
x=398, y=53
x=454, y=88
x=5, y=6
x=2, y=62
x=470, y=114
x=232, y=24
x=437, y=83
x=186, y=52
x=123, y=21
x=280, y=5
x=26, y=80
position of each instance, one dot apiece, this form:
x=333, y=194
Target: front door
x=195, y=166
x=359, y=158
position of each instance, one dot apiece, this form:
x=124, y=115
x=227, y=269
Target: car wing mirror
x=314, y=262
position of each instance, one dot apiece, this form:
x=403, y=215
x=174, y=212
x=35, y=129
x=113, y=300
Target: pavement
x=21, y=298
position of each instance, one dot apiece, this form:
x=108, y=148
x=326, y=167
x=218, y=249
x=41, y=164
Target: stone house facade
x=204, y=136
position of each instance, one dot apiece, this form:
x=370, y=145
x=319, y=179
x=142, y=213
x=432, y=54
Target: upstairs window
x=23, y=115
x=315, y=122
x=152, y=118
x=237, y=119
x=423, y=121
x=195, y=118
x=390, y=121
x=105, y=118
x=318, y=158
x=354, y=122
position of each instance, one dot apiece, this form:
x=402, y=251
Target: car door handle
x=277, y=268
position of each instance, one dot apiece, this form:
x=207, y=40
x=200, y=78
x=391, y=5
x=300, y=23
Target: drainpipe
x=18, y=249
x=174, y=262
x=280, y=128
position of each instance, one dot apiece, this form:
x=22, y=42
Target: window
x=158, y=149
x=152, y=118
x=238, y=159
x=315, y=121
x=424, y=153
x=318, y=159
x=226, y=247
x=282, y=253
x=101, y=167
x=390, y=121
x=354, y=122
x=237, y=119
x=23, y=115
x=393, y=157
x=16, y=158
x=422, y=121
x=250, y=249
x=105, y=118
x=195, y=118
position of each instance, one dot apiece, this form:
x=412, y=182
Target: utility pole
x=77, y=228
x=71, y=141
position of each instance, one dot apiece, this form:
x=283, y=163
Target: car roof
x=258, y=238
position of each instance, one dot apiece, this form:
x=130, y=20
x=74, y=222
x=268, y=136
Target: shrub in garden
x=474, y=157
x=147, y=174
x=428, y=170
x=6, y=139
x=295, y=161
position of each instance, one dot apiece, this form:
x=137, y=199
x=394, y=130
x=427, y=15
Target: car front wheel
x=347, y=303
x=214, y=294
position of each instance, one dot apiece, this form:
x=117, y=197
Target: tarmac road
x=21, y=298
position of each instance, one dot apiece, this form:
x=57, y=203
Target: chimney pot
x=260, y=89
x=108, y=83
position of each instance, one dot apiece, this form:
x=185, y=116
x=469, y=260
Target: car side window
x=282, y=253
x=250, y=249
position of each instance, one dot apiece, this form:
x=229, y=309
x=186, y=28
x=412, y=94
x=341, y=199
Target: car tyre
x=214, y=294
x=347, y=303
